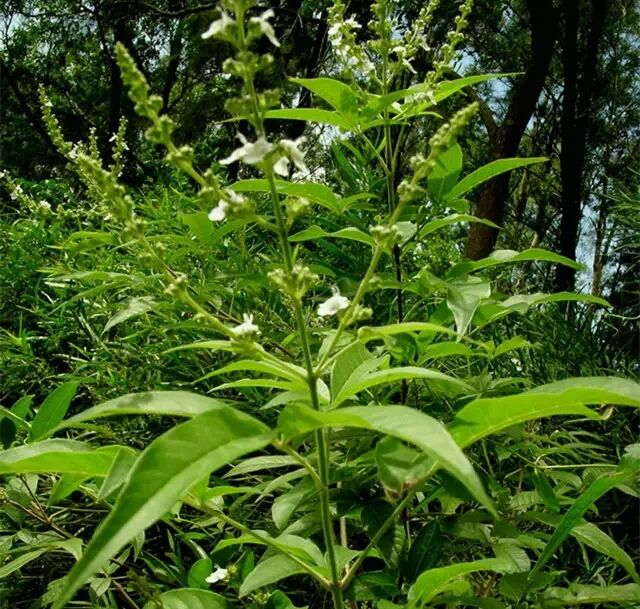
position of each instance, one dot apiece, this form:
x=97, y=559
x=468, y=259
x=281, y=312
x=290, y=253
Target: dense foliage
x=257, y=345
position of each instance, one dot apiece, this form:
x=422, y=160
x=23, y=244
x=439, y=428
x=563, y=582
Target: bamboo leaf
x=53, y=410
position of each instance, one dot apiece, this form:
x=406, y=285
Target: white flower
x=334, y=30
x=44, y=205
x=218, y=575
x=218, y=214
x=334, y=304
x=113, y=137
x=407, y=64
x=246, y=327
x=250, y=153
x=352, y=23
x=235, y=197
x=219, y=26
x=292, y=149
x=265, y=27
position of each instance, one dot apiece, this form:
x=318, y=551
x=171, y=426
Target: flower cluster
x=351, y=56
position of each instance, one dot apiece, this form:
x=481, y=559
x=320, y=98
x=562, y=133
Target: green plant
x=355, y=511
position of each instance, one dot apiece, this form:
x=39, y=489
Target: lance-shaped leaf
x=269, y=571
x=59, y=457
x=167, y=403
x=164, y=471
x=53, y=410
x=313, y=233
x=573, y=516
x=486, y=416
x=435, y=581
x=317, y=193
x=190, y=598
x=401, y=422
x=359, y=382
x=488, y=171
x=627, y=595
x=508, y=256
x=594, y=537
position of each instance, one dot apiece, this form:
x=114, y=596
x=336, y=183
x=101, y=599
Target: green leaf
x=399, y=467
x=435, y=225
x=573, y=516
x=445, y=349
x=198, y=573
x=286, y=504
x=318, y=193
x=169, y=466
x=135, y=307
x=11, y=419
x=435, y=581
x=450, y=87
x=269, y=571
x=313, y=233
x=443, y=90
x=594, y=537
x=53, y=410
x=17, y=563
x=401, y=422
x=337, y=94
x=291, y=544
x=258, y=464
x=586, y=594
x=166, y=403
x=390, y=545
x=311, y=115
x=507, y=257
x=488, y=171
x=58, y=456
x=425, y=551
x=445, y=174
x=357, y=383
x=71, y=546
x=189, y=598
x=486, y=416
x=540, y=298
x=464, y=297
x=283, y=369
x=511, y=344
x=345, y=364
x=369, y=333
x=119, y=472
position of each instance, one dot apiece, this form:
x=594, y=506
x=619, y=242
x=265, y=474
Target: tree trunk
x=576, y=121
x=493, y=197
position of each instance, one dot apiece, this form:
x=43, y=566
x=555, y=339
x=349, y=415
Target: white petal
x=218, y=575
x=281, y=167
x=333, y=305
x=218, y=214
x=236, y=155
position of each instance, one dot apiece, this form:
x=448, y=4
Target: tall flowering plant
x=355, y=420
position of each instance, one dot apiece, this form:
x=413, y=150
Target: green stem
x=397, y=511
x=321, y=436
